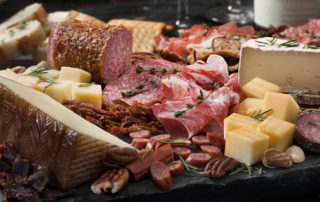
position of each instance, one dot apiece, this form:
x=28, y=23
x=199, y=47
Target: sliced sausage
x=140, y=143
x=216, y=139
x=102, y=50
x=143, y=151
x=161, y=176
x=214, y=151
x=198, y=159
x=188, y=143
x=176, y=167
x=140, y=134
x=181, y=151
x=161, y=137
x=151, y=145
x=200, y=140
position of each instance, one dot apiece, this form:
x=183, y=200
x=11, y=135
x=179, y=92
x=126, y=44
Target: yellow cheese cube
x=50, y=74
x=283, y=106
x=257, y=87
x=280, y=132
x=246, y=145
x=74, y=74
x=29, y=81
x=59, y=91
x=235, y=121
x=248, y=106
x=91, y=94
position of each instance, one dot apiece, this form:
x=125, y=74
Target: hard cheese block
x=74, y=74
x=257, y=87
x=50, y=74
x=59, y=91
x=291, y=68
x=246, y=145
x=91, y=94
x=249, y=106
x=235, y=121
x=45, y=132
x=280, y=132
x=283, y=106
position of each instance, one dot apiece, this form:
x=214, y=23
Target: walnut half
x=111, y=181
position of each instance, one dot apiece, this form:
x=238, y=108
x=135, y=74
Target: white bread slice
x=82, y=17
x=32, y=12
x=53, y=18
x=20, y=39
x=41, y=52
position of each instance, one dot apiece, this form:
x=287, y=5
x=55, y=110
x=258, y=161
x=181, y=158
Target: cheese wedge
x=291, y=68
x=257, y=87
x=74, y=74
x=280, y=132
x=248, y=106
x=45, y=132
x=246, y=145
x=235, y=121
x=283, y=106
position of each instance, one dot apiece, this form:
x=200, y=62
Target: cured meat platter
x=122, y=110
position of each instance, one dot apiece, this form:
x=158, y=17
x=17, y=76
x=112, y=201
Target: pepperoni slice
x=176, y=167
x=181, y=151
x=200, y=140
x=198, y=159
x=161, y=175
x=140, y=134
x=214, y=151
x=216, y=139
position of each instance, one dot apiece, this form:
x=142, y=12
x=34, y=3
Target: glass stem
x=183, y=13
x=234, y=7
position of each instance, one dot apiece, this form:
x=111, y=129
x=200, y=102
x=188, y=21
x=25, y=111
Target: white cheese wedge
x=290, y=68
x=48, y=133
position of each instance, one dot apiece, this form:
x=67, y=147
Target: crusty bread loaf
x=53, y=18
x=32, y=12
x=20, y=39
x=41, y=51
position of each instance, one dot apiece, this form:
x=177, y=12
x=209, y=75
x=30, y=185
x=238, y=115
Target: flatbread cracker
x=143, y=32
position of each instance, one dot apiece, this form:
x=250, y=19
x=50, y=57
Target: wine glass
x=235, y=11
x=183, y=20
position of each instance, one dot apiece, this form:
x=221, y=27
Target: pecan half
x=219, y=167
x=117, y=157
x=111, y=181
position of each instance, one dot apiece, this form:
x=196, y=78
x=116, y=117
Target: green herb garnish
x=153, y=71
x=190, y=167
x=260, y=34
x=189, y=106
x=290, y=43
x=145, y=154
x=260, y=116
x=140, y=86
x=128, y=93
x=168, y=141
x=86, y=84
x=213, y=86
x=261, y=171
x=175, y=70
x=311, y=46
x=11, y=32
x=139, y=69
x=181, y=113
x=153, y=83
x=164, y=70
x=313, y=34
x=313, y=123
x=38, y=72
x=22, y=26
x=242, y=168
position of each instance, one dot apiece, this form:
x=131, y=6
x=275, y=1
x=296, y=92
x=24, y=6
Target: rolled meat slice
x=102, y=50
x=142, y=88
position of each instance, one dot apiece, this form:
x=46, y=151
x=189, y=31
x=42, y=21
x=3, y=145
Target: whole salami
x=104, y=51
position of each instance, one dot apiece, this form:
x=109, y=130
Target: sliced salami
x=161, y=175
x=176, y=167
x=199, y=140
x=214, y=151
x=142, y=88
x=140, y=134
x=184, y=152
x=198, y=159
x=216, y=139
x=104, y=51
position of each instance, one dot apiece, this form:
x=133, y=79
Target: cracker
x=143, y=32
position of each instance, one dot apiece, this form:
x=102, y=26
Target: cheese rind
x=45, y=132
x=74, y=74
x=280, y=132
x=248, y=106
x=291, y=68
x=91, y=94
x=246, y=145
x=235, y=121
x=257, y=87
x=283, y=106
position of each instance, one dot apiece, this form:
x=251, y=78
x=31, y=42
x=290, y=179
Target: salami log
x=104, y=51
x=308, y=131
x=142, y=88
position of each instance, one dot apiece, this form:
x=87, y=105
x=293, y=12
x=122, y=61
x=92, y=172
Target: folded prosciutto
x=200, y=95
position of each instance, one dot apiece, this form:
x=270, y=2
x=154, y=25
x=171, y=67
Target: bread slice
x=41, y=51
x=53, y=18
x=82, y=17
x=32, y=12
x=20, y=39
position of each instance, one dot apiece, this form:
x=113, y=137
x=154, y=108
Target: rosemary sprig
x=168, y=141
x=139, y=69
x=313, y=34
x=11, y=32
x=290, y=43
x=261, y=171
x=242, y=168
x=260, y=115
x=311, y=46
x=190, y=167
x=207, y=28
x=133, y=91
x=86, y=84
x=38, y=72
x=313, y=123
x=175, y=70
x=181, y=113
x=153, y=71
x=22, y=26
x=299, y=93
x=145, y=154
x=153, y=83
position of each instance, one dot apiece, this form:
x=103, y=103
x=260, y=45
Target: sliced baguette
x=20, y=39
x=41, y=52
x=32, y=12
x=54, y=18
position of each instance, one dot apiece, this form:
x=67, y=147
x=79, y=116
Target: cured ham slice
x=174, y=86
x=180, y=128
x=198, y=37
